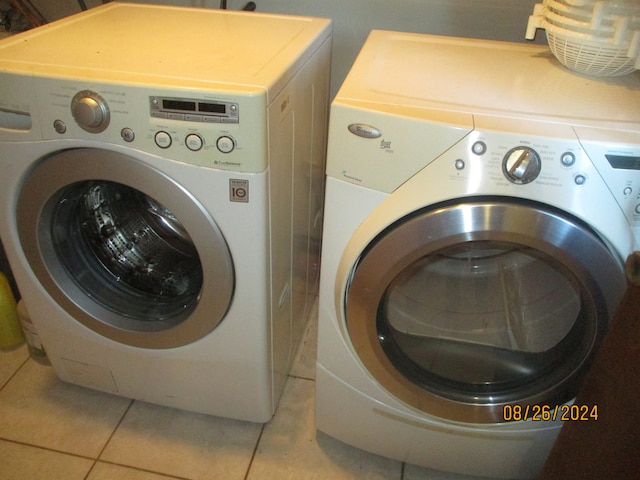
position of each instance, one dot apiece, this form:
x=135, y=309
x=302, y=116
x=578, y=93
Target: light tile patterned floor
x=51, y=430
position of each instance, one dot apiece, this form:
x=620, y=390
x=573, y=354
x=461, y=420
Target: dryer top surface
x=487, y=78
x=160, y=44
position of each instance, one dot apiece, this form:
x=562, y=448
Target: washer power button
x=225, y=144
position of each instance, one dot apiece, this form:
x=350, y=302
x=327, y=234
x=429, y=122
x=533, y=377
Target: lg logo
x=239, y=190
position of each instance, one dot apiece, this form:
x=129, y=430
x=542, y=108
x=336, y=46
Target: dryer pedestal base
x=485, y=451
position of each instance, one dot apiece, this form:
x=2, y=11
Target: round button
x=479, y=148
x=163, y=139
x=87, y=112
x=225, y=144
x=90, y=111
x=627, y=191
x=580, y=179
x=459, y=164
x=127, y=134
x=193, y=142
x=568, y=159
x=60, y=126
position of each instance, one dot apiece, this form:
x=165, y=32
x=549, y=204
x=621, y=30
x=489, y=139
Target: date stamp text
x=550, y=413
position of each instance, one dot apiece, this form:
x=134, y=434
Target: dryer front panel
x=124, y=249
x=483, y=309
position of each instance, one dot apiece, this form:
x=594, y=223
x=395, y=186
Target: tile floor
x=56, y=431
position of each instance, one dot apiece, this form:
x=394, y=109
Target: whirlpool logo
x=365, y=131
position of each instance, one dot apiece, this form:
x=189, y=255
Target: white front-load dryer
x=480, y=201
x=163, y=172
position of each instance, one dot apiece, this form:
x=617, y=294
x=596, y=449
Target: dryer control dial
x=90, y=111
x=521, y=165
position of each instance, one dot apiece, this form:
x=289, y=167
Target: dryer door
x=124, y=249
x=482, y=311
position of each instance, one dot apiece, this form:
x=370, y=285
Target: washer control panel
x=198, y=127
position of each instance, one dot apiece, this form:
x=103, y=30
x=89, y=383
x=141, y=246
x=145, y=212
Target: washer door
x=124, y=249
x=464, y=308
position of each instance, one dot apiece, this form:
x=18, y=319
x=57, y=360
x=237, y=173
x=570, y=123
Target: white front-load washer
x=163, y=174
x=480, y=201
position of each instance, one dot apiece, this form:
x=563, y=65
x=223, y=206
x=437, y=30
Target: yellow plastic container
x=11, y=335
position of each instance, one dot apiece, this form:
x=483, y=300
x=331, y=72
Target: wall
x=54, y=9
x=353, y=19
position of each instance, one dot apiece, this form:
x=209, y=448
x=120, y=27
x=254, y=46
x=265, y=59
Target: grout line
x=167, y=475
x=39, y=447
x=255, y=450
x=264, y=425
x=300, y=377
x=97, y=458
x=15, y=372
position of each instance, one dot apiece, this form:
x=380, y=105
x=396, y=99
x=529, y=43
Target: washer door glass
x=124, y=249
x=480, y=305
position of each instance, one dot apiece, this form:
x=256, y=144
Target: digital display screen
x=179, y=105
x=623, y=162
x=212, y=108
x=194, y=109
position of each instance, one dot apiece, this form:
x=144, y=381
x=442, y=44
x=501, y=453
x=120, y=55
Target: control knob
x=90, y=111
x=521, y=165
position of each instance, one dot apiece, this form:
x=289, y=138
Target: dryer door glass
x=463, y=308
x=483, y=318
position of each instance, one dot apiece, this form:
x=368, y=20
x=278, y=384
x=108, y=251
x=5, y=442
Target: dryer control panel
x=593, y=173
x=616, y=156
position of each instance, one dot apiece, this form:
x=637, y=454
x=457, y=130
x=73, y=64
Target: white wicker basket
x=593, y=37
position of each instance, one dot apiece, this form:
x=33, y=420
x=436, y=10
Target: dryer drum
x=507, y=310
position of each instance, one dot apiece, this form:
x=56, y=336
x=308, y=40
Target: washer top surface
x=119, y=42
x=487, y=77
